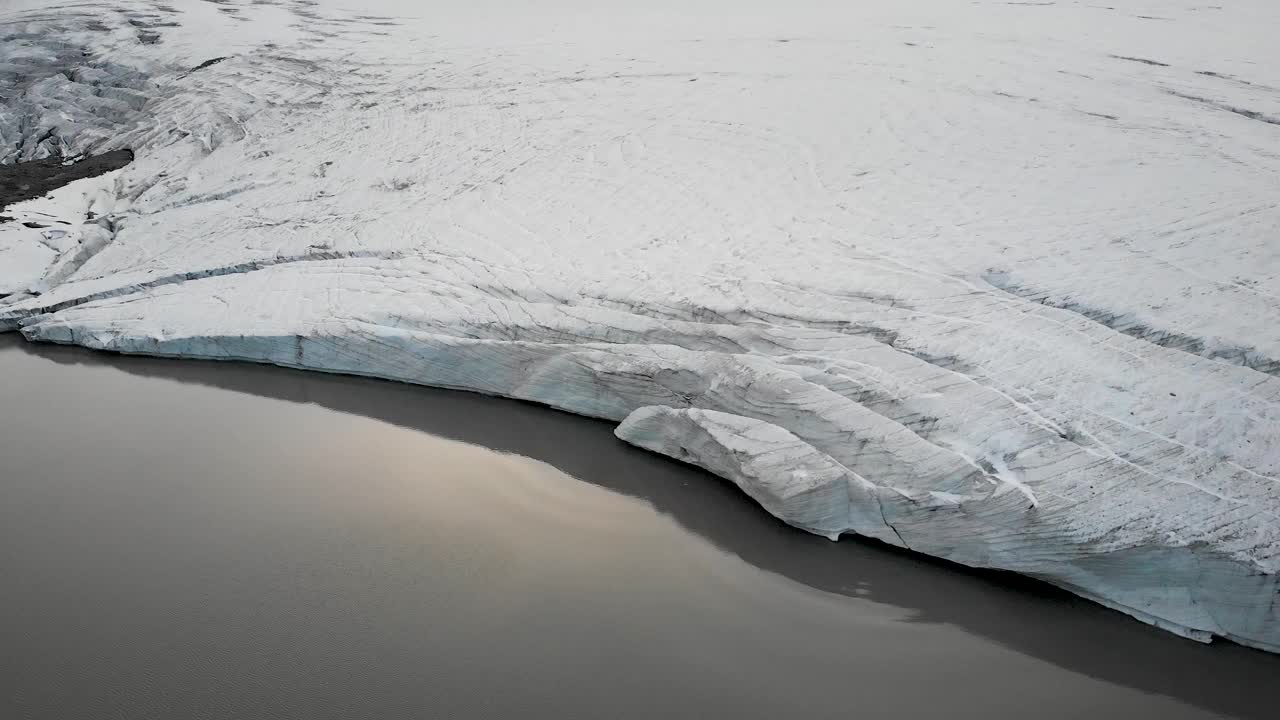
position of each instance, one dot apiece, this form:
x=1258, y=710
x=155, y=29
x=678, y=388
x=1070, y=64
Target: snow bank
x=974, y=280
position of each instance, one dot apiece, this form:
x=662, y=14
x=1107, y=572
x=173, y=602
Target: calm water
x=190, y=540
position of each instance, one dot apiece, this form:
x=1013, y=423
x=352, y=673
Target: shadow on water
x=1019, y=613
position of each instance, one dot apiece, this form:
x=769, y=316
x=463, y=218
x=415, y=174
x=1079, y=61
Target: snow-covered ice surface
x=63, y=227
x=997, y=282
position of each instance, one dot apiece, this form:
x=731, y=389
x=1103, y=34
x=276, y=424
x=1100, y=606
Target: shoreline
x=1028, y=616
x=444, y=358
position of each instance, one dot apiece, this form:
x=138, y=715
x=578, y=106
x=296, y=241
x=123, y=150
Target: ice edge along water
x=348, y=193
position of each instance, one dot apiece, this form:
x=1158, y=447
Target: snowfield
x=996, y=282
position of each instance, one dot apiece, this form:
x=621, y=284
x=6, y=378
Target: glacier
x=994, y=282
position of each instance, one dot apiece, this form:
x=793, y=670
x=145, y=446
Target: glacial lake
x=184, y=539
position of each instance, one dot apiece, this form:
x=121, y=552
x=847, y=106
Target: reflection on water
x=256, y=542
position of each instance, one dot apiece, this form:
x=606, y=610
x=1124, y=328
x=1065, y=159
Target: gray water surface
x=185, y=539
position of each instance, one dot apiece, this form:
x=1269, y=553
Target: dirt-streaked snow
x=998, y=282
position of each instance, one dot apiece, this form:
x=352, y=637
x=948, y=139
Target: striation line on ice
x=14, y=317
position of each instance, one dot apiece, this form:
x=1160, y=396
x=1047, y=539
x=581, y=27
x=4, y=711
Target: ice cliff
x=995, y=282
